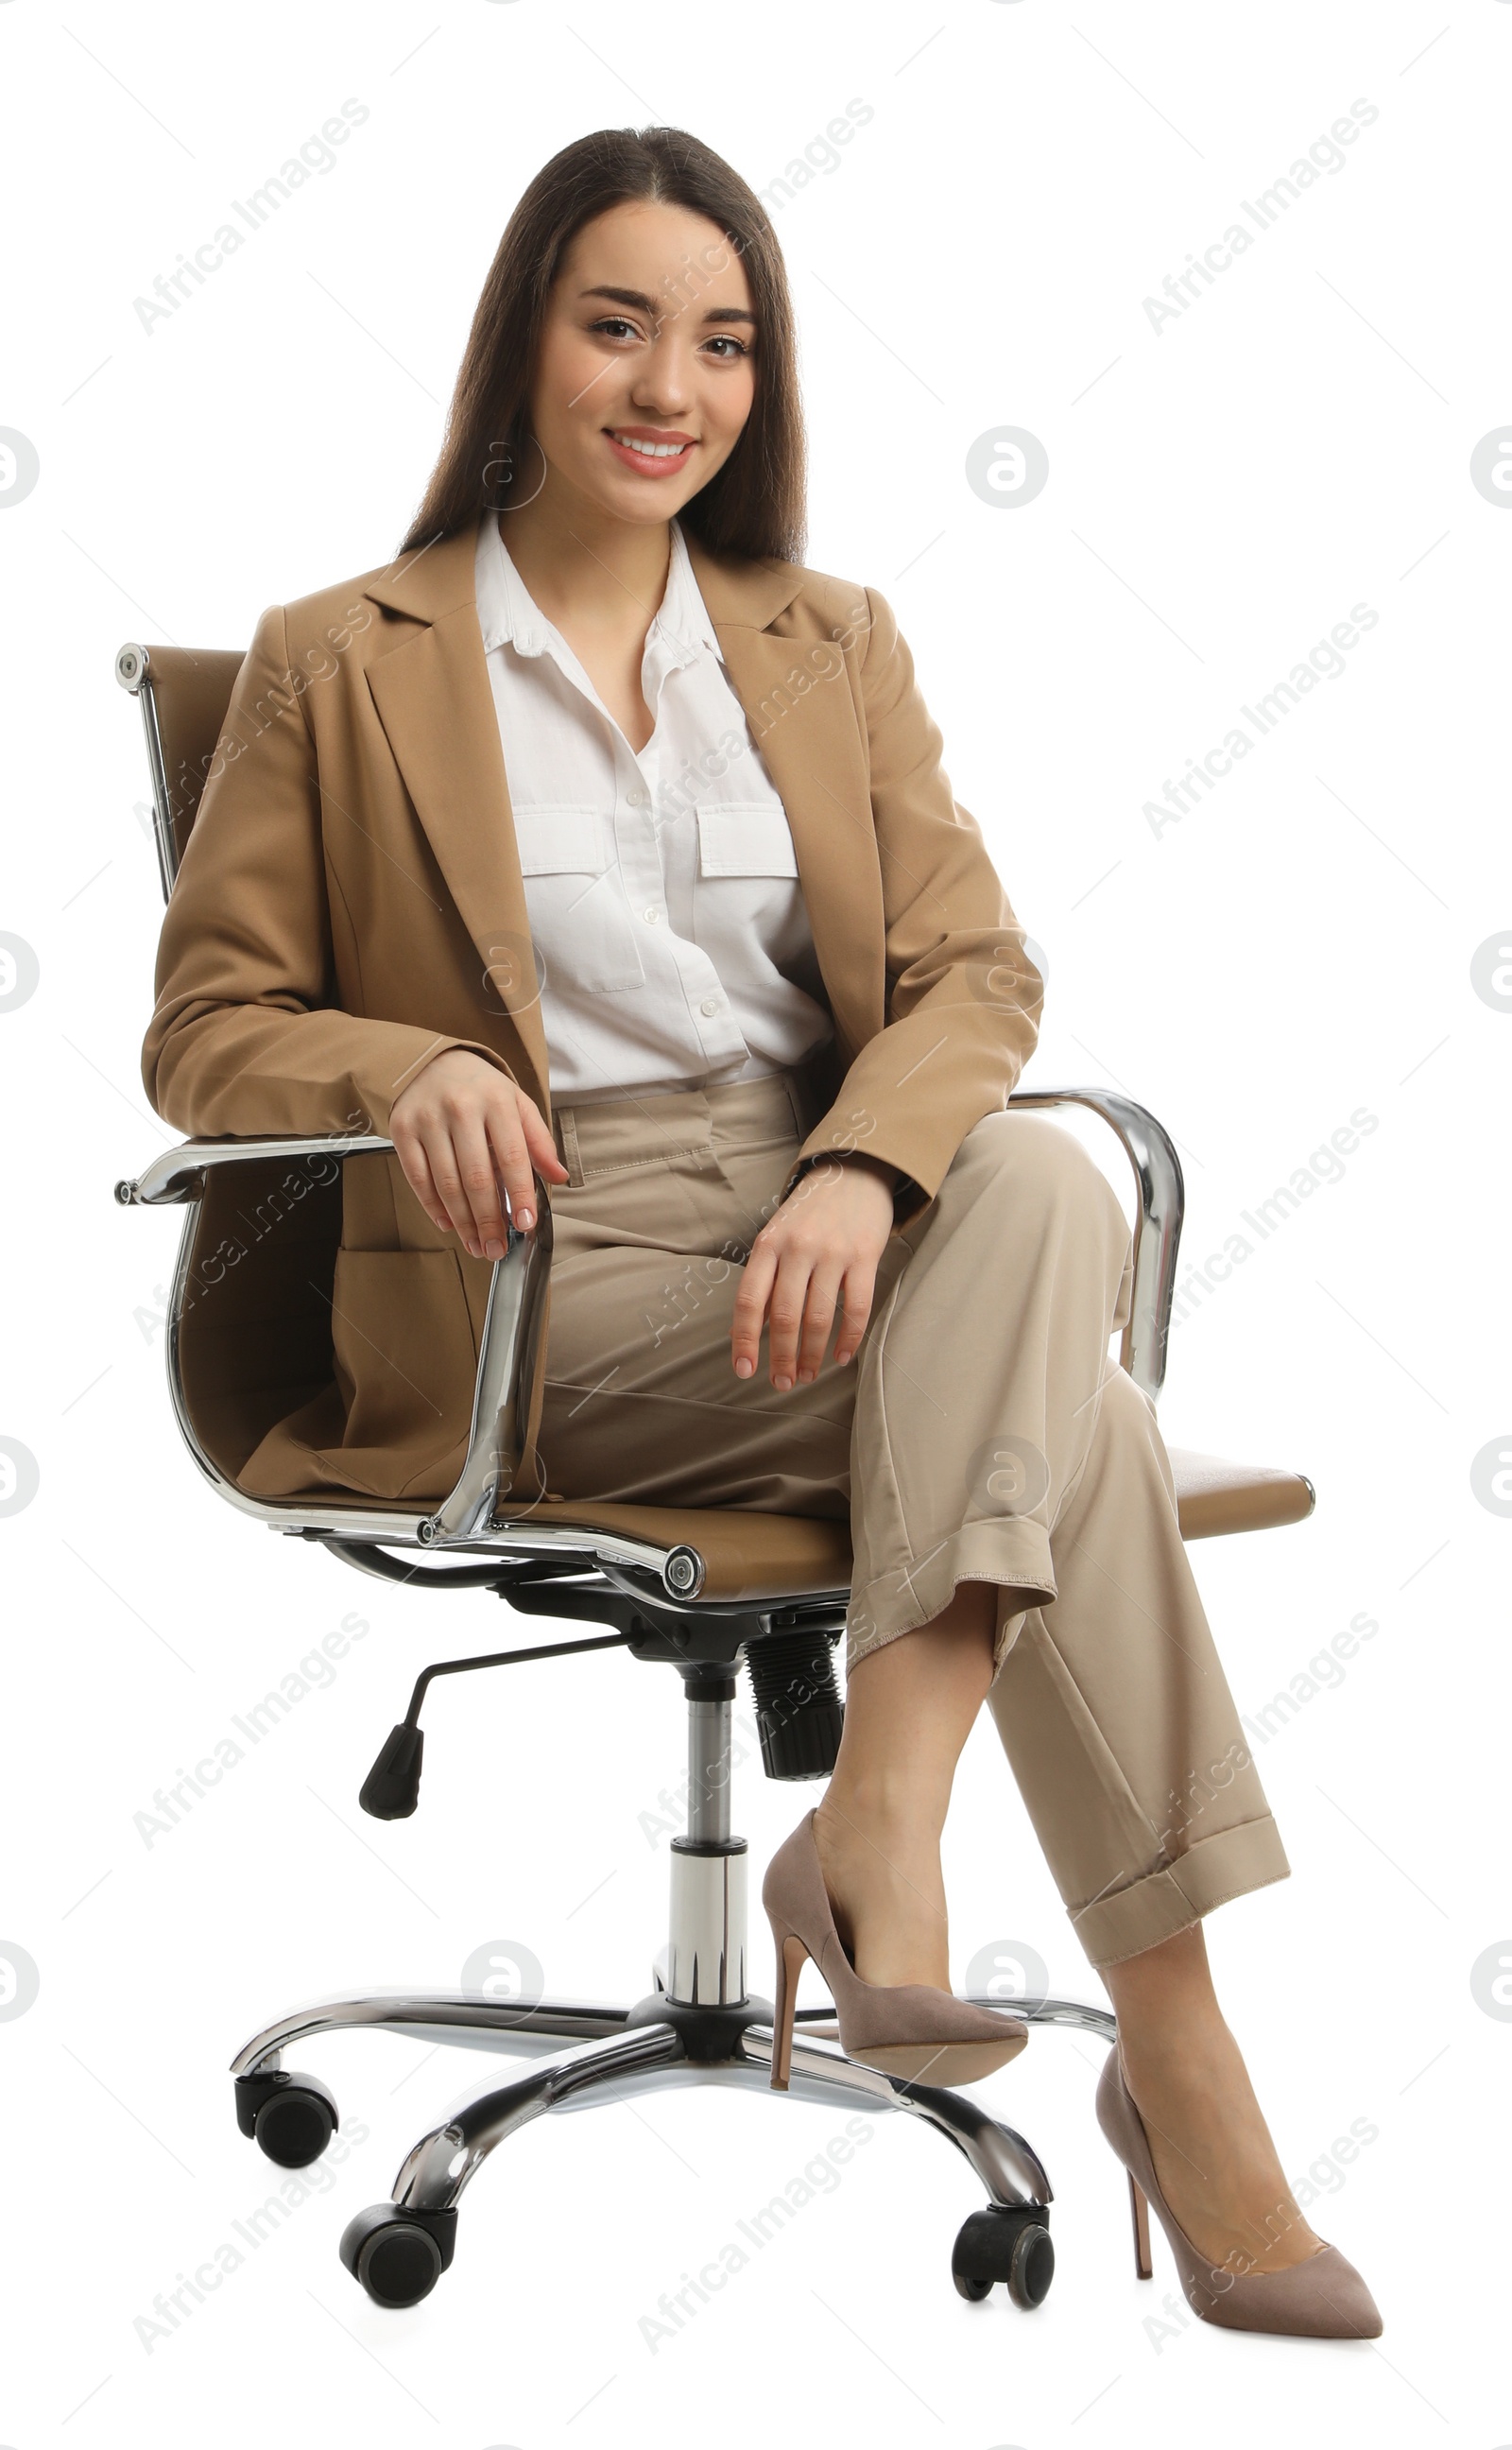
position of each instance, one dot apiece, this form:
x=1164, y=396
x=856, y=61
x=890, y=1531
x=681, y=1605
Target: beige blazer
x=351, y=902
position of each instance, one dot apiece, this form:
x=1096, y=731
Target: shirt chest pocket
x=745, y=839
x=747, y=899
x=579, y=917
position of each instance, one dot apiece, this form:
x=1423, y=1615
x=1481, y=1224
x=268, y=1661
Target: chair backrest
x=255, y=1316
x=185, y=694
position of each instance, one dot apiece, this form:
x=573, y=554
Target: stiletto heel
x=907, y=2028
x=1321, y=2298
x=790, y=1956
x=1144, y=2268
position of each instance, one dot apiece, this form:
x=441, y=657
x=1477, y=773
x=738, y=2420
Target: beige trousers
x=982, y=1433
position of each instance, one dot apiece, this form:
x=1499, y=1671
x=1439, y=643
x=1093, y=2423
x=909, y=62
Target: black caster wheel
x=1006, y=2242
x=291, y=2118
x=398, y=2256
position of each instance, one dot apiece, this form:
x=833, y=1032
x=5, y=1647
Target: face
x=649, y=339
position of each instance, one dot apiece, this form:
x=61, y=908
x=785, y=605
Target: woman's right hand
x=464, y=1133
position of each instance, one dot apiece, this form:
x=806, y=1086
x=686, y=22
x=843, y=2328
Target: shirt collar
x=508, y=613
x=684, y=615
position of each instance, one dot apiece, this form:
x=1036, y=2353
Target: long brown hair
x=755, y=504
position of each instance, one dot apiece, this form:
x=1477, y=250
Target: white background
x=1221, y=493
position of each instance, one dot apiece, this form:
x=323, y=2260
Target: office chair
x=694, y=1588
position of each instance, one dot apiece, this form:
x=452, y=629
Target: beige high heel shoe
x=907, y=2028
x=1321, y=2298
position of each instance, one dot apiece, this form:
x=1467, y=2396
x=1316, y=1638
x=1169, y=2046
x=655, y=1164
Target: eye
x=727, y=340
x=605, y=322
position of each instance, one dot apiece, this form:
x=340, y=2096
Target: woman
x=598, y=840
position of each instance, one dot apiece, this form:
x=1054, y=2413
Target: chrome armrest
x=133, y=669
x=177, y=1177
x=511, y=1327
x=1151, y=1152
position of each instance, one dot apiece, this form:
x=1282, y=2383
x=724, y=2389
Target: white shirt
x=671, y=932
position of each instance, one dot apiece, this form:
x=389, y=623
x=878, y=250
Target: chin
x=642, y=507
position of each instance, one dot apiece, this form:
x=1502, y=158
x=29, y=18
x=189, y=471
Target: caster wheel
x=291, y=2118
x=1009, y=2243
x=398, y=2256
x=1032, y=2266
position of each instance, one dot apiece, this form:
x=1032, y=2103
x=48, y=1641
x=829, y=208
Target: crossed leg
x=909, y=1708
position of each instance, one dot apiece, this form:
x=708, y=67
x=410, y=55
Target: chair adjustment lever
x=391, y=1790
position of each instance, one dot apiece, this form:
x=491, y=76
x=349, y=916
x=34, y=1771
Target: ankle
x=879, y=1812
x=1191, y=2050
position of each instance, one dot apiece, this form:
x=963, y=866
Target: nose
x=662, y=386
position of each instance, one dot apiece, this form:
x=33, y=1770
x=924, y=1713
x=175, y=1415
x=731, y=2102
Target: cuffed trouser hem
x=1015, y=1552
x=1227, y=1865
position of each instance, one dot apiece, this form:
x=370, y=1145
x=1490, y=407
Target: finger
x=861, y=1286
x=425, y=1151
x=463, y=1166
x=785, y=1313
x=509, y=1161
x=819, y=1310
x=540, y=1142
x=446, y=1172
x=750, y=1311
x=415, y=1166
x=478, y=1159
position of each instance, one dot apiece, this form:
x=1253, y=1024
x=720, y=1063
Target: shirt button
x=654, y=916
x=637, y=799
x=711, y=1003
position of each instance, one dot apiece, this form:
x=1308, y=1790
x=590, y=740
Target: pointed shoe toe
x=905, y=2028
x=1323, y=2298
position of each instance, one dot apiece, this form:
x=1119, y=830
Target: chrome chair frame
x=698, y=2023
x=465, y=1519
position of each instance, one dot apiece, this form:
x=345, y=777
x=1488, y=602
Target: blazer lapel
x=436, y=704
x=802, y=718
x=434, y=699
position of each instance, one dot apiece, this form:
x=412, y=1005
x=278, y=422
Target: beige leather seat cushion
x=1214, y=1495
x=751, y=1556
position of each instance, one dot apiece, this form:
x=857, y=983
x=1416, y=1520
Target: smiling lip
x=649, y=463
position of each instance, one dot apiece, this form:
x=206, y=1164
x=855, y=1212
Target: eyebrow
x=649, y=306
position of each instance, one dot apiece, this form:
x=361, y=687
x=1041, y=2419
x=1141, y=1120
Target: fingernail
x=527, y=1220
x=783, y=1383
x=804, y=1376
x=742, y=1367
x=495, y=1249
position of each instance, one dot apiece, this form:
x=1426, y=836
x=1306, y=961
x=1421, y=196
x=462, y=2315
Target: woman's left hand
x=822, y=1247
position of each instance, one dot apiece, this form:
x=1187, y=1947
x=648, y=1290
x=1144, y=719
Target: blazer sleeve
x=963, y=998
x=245, y=1035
